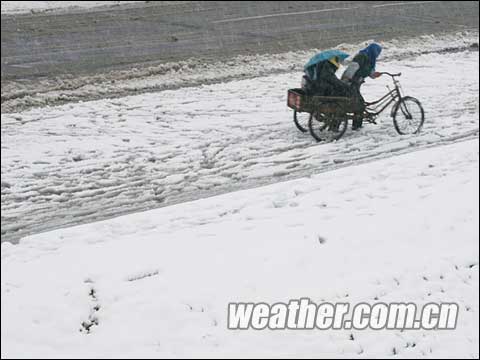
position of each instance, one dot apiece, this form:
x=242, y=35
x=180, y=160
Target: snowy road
x=87, y=41
x=60, y=52
x=88, y=161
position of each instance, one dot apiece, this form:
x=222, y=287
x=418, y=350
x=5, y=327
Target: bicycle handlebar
x=392, y=75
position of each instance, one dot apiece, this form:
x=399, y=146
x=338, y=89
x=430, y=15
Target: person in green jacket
x=325, y=82
x=361, y=67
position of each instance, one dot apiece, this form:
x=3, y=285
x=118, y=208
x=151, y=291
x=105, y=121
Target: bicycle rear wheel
x=301, y=120
x=327, y=127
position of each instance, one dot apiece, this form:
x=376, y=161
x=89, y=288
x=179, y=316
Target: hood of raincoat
x=372, y=51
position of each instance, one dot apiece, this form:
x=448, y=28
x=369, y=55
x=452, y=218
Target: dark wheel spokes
x=301, y=120
x=408, y=116
x=327, y=127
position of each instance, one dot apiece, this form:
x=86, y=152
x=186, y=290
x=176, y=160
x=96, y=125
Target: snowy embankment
x=157, y=283
x=197, y=71
x=19, y=7
x=87, y=161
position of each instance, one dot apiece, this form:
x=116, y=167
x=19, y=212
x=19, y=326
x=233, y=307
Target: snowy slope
x=399, y=229
x=88, y=161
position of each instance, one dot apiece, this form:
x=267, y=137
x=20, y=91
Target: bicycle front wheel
x=408, y=116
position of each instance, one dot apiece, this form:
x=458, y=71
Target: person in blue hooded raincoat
x=362, y=66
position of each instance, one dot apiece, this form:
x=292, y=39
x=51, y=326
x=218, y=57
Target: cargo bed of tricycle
x=299, y=101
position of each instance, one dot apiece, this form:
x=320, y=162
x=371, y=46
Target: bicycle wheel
x=408, y=116
x=301, y=120
x=329, y=127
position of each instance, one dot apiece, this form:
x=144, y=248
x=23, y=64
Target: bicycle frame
x=382, y=103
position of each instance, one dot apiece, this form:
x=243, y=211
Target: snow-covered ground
x=87, y=161
x=399, y=229
x=373, y=217
x=18, y=7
